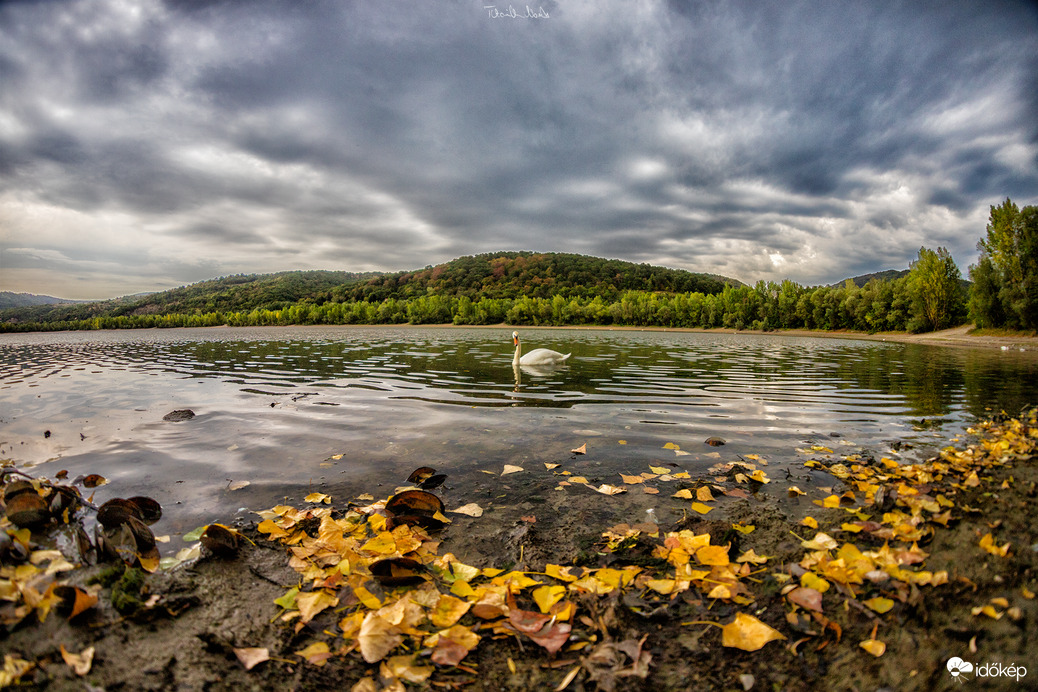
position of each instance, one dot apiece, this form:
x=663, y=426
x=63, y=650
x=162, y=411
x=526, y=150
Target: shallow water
x=349, y=410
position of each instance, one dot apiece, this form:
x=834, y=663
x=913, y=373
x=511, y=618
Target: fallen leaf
x=671, y=445
x=809, y=522
x=582, y=449
x=632, y=480
x=748, y=633
x=471, y=509
x=250, y=657
x=806, y=598
x=511, y=469
x=744, y=528
x=607, y=489
x=377, y=638
x=237, y=485
x=551, y=466
x=701, y=508
x=821, y=541
x=547, y=596
x=81, y=662
x=683, y=494
x=316, y=654
x=312, y=497
x=879, y=604
x=703, y=494
x=874, y=647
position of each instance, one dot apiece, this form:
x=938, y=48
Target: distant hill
x=21, y=300
x=885, y=275
x=534, y=275
x=229, y=293
x=506, y=275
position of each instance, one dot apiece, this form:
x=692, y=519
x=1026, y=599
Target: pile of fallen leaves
x=374, y=583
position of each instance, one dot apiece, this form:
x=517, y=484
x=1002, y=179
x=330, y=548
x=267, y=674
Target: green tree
x=936, y=289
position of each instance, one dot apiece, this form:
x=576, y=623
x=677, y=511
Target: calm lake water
x=350, y=410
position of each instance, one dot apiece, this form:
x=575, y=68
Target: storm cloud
x=148, y=144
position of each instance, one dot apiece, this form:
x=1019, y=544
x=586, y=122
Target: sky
x=149, y=144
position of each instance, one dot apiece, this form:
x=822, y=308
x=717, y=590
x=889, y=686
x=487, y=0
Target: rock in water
x=714, y=441
x=179, y=415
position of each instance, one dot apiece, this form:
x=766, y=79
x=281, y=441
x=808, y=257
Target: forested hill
x=230, y=293
x=510, y=275
x=506, y=275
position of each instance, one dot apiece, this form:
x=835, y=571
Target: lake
x=352, y=410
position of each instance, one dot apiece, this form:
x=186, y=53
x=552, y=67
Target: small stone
x=179, y=415
x=714, y=441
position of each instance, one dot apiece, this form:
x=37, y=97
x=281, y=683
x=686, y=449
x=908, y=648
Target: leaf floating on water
x=748, y=633
x=471, y=509
x=582, y=449
x=250, y=657
x=511, y=469
x=607, y=489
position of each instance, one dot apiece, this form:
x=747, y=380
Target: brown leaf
x=582, y=449
x=806, y=598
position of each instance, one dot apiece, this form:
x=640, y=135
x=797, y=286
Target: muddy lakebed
x=552, y=458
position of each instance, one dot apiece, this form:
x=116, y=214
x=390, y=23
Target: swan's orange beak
x=515, y=340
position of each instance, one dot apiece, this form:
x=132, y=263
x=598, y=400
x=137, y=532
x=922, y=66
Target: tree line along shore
x=522, y=288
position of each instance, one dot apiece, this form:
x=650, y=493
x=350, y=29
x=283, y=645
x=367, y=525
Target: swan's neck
x=515, y=358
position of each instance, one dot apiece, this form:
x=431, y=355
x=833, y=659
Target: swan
x=538, y=356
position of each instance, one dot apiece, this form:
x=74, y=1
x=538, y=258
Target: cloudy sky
x=146, y=144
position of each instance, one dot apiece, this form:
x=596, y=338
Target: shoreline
x=961, y=336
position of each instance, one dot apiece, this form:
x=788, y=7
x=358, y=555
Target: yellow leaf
x=607, y=489
x=383, y=544
x=511, y=469
x=633, y=480
x=874, y=647
x=403, y=667
x=462, y=588
x=560, y=573
x=748, y=633
x=582, y=449
x=369, y=599
x=377, y=638
x=853, y=528
x=659, y=470
x=760, y=476
x=830, y=502
x=1026, y=593
x=879, y=604
x=551, y=466
x=318, y=498
x=811, y=580
x=713, y=555
x=671, y=445
x=312, y=603
x=547, y=596
x=821, y=541
x=744, y=528
x=621, y=442
x=751, y=556
x=809, y=522
x=317, y=653
x=683, y=494
x=703, y=494
x=989, y=611
x=448, y=611
x=701, y=508
x=579, y=479
x=988, y=544
x=680, y=474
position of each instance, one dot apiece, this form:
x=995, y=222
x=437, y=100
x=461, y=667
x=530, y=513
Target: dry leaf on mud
x=988, y=544
x=874, y=647
x=81, y=662
x=377, y=638
x=471, y=509
x=582, y=449
x=701, y=508
x=316, y=654
x=748, y=633
x=250, y=657
x=821, y=541
x=511, y=469
x=806, y=598
x=607, y=489
x=238, y=485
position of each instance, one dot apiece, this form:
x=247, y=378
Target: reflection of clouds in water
x=276, y=404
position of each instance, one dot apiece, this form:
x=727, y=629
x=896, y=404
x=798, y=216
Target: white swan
x=538, y=356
